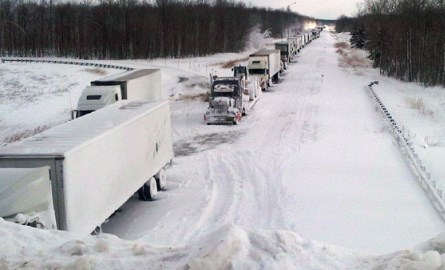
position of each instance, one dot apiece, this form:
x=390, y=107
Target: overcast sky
x=320, y=9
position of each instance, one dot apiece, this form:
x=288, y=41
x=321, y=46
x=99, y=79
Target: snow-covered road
x=313, y=156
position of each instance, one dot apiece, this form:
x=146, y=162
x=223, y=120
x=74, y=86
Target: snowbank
x=229, y=247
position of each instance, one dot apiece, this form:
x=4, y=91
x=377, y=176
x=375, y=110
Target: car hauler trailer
x=97, y=162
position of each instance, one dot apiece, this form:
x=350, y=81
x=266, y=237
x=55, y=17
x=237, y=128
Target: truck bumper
x=223, y=119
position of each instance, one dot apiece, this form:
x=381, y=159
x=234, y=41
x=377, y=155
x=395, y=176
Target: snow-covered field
x=314, y=163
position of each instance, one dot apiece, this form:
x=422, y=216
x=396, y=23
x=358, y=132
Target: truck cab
x=97, y=97
x=228, y=101
x=239, y=71
x=139, y=84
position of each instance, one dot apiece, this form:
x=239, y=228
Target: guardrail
x=435, y=194
x=30, y=60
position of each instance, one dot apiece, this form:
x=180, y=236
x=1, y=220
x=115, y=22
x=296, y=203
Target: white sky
x=320, y=9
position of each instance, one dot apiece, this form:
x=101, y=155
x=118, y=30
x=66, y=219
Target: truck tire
x=161, y=179
x=275, y=78
x=148, y=191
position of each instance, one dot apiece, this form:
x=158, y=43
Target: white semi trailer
x=97, y=162
x=297, y=41
x=140, y=84
x=286, y=52
x=265, y=65
x=303, y=39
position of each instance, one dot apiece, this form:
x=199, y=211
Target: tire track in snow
x=247, y=176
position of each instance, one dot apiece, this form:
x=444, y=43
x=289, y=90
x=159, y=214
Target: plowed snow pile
x=230, y=247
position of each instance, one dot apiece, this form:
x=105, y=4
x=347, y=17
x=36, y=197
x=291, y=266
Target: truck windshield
x=223, y=94
x=257, y=71
x=238, y=71
x=94, y=97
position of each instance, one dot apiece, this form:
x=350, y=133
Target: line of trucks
x=231, y=98
x=74, y=176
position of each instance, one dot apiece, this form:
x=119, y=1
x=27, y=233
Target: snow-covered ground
x=314, y=160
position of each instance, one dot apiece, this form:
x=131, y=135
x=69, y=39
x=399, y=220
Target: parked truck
x=265, y=65
x=140, y=84
x=307, y=36
x=286, y=52
x=251, y=83
x=97, y=162
x=297, y=43
x=229, y=100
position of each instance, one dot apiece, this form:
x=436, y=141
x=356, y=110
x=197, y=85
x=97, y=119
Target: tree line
x=405, y=38
x=126, y=29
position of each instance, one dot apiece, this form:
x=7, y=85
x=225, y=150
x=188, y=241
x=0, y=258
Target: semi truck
x=297, y=42
x=265, y=65
x=286, y=52
x=230, y=98
x=251, y=83
x=307, y=36
x=98, y=161
x=140, y=84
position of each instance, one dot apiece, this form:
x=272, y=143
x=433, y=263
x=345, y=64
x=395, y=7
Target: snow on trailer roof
x=60, y=140
x=264, y=52
x=282, y=42
x=126, y=76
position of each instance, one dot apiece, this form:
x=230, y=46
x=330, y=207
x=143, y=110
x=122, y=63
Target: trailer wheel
x=149, y=191
x=161, y=179
x=97, y=231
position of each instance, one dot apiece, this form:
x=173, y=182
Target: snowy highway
x=313, y=156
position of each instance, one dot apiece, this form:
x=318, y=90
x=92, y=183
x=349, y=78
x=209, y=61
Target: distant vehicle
x=97, y=162
x=297, y=44
x=316, y=33
x=303, y=39
x=308, y=36
x=265, y=66
x=286, y=52
x=140, y=84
